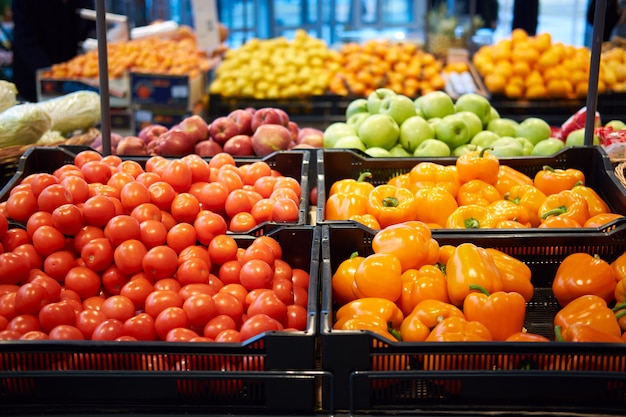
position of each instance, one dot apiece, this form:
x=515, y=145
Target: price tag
x=205, y=24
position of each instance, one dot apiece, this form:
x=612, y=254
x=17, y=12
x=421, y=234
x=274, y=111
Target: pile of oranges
x=401, y=66
x=535, y=67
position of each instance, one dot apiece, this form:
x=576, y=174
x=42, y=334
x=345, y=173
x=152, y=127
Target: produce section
x=244, y=260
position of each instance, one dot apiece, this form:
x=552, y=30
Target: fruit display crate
x=294, y=164
x=337, y=164
x=274, y=372
x=372, y=374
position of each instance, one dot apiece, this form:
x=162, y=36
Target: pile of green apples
x=387, y=124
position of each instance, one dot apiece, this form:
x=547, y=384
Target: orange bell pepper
x=524, y=336
x=565, y=203
x=425, y=283
x=516, y=275
x=501, y=312
x=459, y=329
x=342, y=281
x=417, y=325
x=401, y=180
x=445, y=253
x=432, y=175
x=620, y=314
x=509, y=177
x=582, y=274
x=602, y=219
x=481, y=165
x=510, y=224
x=502, y=210
x=559, y=222
x=582, y=332
x=366, y=220
x=591, y=310
x=434, y=205
x=352, y=186
x=552, y=181
x=477, y=192
x=343, y=206
x=470, y=217
x=529, y=197
x=381, y=314
x=619, y=268
x=379, y=275
x=595, y=203
x=368, y=322
x=391, y=205
x=409, y=244
x=470, y=264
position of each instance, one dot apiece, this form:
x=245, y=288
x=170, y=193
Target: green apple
x=436, y=104
x=577, y=138
x=399, y=151
x=527, y=145
x=476, y=104
x=378, y=152
x=616, y=124
x=484, y=139
x=413, y=131
x=350, y=142
x=356, y=119
x=463, y=149
x=507, y=146
x=399, y=107
x=358, y=105
x=432, y=147
x=375, y=98
x=335, y=131
x=548, y=146
x=379, y=130
x=453, y=131
x=474, y=123
x=502, y=126
x=493, y=114
x=534, y=129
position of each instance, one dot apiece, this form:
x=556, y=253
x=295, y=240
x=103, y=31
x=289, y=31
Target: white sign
x=206, y=24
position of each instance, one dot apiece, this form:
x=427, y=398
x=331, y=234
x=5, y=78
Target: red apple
x=311, y=136
x=294, y=129
x=207, y=148
x=268, y=116
x=131, y=145
x=175, y=142
x=195, y=126
x=239, y=145
x=243, y=119
x=270, y=138
x=223, y=128
x=115, y=139
x=151, y=132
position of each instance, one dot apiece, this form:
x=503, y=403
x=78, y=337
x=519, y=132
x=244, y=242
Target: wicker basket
x=10, y=156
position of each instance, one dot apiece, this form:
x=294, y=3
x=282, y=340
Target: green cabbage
x=8, y=93
x=79, y=110
x=23, y=124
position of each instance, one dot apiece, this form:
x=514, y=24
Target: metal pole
x=594, y=69
x=103, y=75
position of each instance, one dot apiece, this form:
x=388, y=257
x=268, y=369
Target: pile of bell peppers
x=412, y=289
x=474, y=193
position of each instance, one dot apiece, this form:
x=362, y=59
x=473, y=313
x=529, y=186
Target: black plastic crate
x=294, y=164
x=371, y=373
x=275, y=372
x=337, y=164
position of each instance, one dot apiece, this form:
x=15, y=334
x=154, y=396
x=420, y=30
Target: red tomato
x=153, y=233
x=77, y=187
x=296, y=317
x=199, y=308
x=128, y=256
x=53, y=196
x=178, y=174
x=9, y=335
x=52, y=287
x=37, y=219
x=8, y=264
x=237, y=201
x=24, y=323
x=167, y=284
x=66, y=170
x=119, y=179
x=258, y=250
x=4, y=225
x=34, y=335
x=157, y=301
x=256, y=273
x=65, y=332
x=265, y=186
x=167, y=219
x=84, y=281
x=237, y=290
x=180, y=334
x=14, y=238
x=193, y=271
x=185, y=207
x=47, y=239
x=68, y=219
x=285, y=210
x=96, y=172
x=229, y=272
x=57, y=264
x=222, y=248
x=194, y=251
x=112, y=160
x=160, y=262
x=137, y=290
x=217, y=324
x=181, y=236
x=300, y=278
x=118, y=307
x=148, y=178
x=21, y=205
x=220, y=159
x=85, y=156
x=86, y=234
x=282, y=269
x=7, y=305
x=98, y=210
x=228, y=304
x=133, y=194
x=230, y=177
x=283, y=288
x=54, y=314
x=93, y=303
x=228, y=336
x=103, y=190
x=130, y=167
x=88, y=320
x=121, y=228
x=242, y=222
x=146, y=211
x=168, y=319
x=254, y=171
x=113, y=279
x=209, y=224
x=200, y=169
x=162, y=194
x=141, y=327
x=192, y=289
x=110, y=329
x=267, y=302
x=262, y=210
x=300, y=296
x=257, y=324
x=97, y=254
x=39, y=181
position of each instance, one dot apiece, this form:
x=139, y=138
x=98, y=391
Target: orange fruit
x=536, y=91
x=519, y=35
x=513, y=91
x=495, y=82
x=521, y=68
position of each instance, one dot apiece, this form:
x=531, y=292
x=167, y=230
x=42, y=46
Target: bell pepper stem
x=548, y=168
x=363, y=175
x=471, y=223
x=618, y=307
x=577, y=183
x=558, y=333
x=394, y=332
x=441, y=267
x=480, y=288
x=390, y=202
x=620, y=314
x=481, y=154
x=516, y=200
x=554, y=212
x=354, y=254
